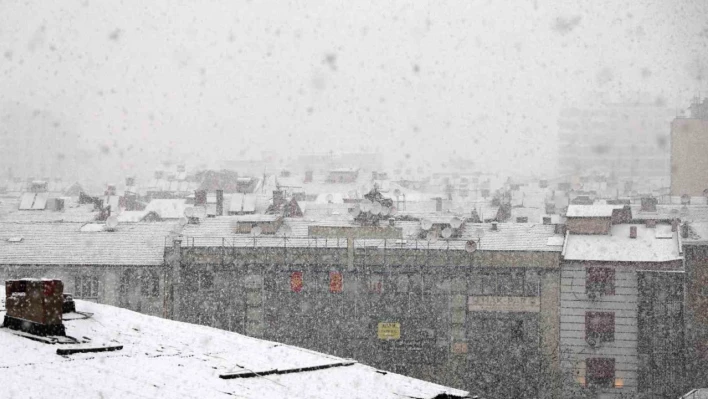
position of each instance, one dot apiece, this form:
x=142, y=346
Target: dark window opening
x=206, y=280
x=600, y=281
x=600, y=372
x=150, y=283
x=86, y=287
x=600, y=326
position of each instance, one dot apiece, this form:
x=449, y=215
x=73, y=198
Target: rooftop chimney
x=438, y=204
x=494, y=226
x=129, y=181
x=219, y=202
x=632, y=231
x=200, y=198
x=648, y=204
x=684, y=230
x=674, y=225
x=278, y=197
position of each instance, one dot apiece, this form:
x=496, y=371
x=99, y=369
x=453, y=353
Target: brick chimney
x=278, y=197
x=632, y=231
x=219, y=202
x=648, y=204
x=200, y=198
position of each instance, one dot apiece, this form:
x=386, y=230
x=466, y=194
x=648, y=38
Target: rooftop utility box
x=34, y=306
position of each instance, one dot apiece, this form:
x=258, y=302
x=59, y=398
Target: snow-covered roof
x=167, y=359
x=591, y=211
x=168, y=208
x=514, y=237
x=67, y=244
x=619, y=247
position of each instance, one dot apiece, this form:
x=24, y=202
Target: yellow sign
x=389, y=330
x=503, y=304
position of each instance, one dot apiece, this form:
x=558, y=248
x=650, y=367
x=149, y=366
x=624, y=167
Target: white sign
x=504, y=304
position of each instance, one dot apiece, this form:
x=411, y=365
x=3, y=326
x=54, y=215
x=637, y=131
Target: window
x=150, y=283
x=376, y=283
x=206, y=279
x=86, y=287
x=600, y=372
x=296, y=282
x=336, y=282
x=600, y=326
x=499, y=283
x=600, y=280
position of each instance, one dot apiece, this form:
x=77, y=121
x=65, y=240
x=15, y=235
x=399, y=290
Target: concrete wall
x=426, y=292
x=133, y=296
x=696, y=312
x=689, y=146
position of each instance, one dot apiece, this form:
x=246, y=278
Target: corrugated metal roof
x=65, y=244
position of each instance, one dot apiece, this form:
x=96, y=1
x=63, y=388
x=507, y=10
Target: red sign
x=376, y=284
x=296, y=281
x=335, y=282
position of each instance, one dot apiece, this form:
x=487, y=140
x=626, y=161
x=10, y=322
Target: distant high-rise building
x=625, y=140
x=689, y=146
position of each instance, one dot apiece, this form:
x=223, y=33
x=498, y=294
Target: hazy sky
x=228, y=79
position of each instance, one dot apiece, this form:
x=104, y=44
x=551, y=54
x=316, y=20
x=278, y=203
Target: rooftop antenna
x=255, y=232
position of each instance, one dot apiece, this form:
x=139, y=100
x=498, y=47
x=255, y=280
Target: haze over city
x=417, y=81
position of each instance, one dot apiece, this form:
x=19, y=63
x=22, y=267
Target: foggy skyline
x=225, y=80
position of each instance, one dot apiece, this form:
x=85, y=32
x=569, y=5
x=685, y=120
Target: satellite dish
x=431, y=236
x=189, y=212
x=112, y=222
x=480, y=232
x=256, y=231
x=456, y=223
x=471, y=246
x=376, y=208
x=355, y=211
x=447, y=232
x=365, y=205
x=426, y=224
x=183, y=221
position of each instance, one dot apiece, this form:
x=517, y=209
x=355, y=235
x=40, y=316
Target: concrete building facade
x=621, y=316
x=485, y=319
x=689, y=146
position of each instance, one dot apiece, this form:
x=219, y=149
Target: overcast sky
x=228, y=79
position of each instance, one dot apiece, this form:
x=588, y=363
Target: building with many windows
x=624, y=140
x=467, y=311
x=621, y=317
x=689, y=146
